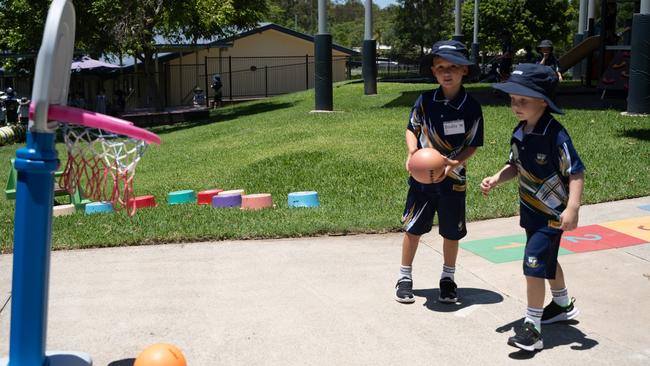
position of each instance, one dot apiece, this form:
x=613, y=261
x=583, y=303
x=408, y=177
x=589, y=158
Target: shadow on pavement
x=124, y=362
x=466, y=298
x=558, y=334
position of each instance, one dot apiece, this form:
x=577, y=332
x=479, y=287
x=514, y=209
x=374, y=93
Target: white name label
x=454, y=127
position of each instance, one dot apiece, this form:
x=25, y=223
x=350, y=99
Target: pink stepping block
x=205, y=197
x=256, y=201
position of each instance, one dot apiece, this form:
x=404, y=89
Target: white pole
x=322, y=17
x=368, y=24
x=645, y=7
x=475, y=39
x=592, y=9
x=581, y=18
x=457, y=11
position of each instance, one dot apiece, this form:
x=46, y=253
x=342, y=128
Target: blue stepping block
x=178, y=197
x=303, y=199
x=98, y=207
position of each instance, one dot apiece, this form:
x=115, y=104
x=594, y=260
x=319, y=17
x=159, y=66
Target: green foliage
x=420, y=23
x=353, y=158
x=528, y=21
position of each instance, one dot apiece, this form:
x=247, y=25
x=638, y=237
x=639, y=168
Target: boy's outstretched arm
x=569, y=217
x=506, y=173
x=411, y=146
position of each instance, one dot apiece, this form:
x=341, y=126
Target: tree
x=129, y=26
x=528, y=21
x=420, y=23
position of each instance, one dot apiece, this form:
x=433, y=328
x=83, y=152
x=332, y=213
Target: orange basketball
x=426, y=164
x=161, y=354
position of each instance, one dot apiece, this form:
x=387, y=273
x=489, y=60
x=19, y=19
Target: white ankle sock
x=534, y=315
x=561, y=297
x=448, y=271
x=405, y=271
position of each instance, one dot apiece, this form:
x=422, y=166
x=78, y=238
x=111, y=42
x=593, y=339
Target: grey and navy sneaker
x=448, y=291
x=404, y=291
x=554, y=313
x=528, y=339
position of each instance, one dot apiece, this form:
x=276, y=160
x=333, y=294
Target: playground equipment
x=579, y=52
x=74, y=199
x=35, y=165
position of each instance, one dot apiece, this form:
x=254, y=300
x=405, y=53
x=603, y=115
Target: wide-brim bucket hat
x=456, y=53
x=545, y=44
x=532, y=80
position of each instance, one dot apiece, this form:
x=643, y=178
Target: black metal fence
x=242, y=78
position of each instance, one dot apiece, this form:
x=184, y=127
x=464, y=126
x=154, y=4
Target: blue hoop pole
x=35, y=164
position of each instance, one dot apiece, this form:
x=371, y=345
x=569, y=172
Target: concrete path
x=329, y=301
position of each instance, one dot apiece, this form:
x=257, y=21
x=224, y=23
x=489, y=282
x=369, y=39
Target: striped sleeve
x=569, y=161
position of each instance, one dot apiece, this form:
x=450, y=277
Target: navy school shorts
x=540, y=255
x=421, y=207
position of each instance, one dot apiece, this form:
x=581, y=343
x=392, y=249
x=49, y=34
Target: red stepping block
x=143, y=201
x=205, y=197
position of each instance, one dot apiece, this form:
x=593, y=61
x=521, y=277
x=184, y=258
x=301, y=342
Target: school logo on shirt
x=531, y=262
x=541, y=159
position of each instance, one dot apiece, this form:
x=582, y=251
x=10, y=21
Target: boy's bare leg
x=535, y=288
x=558, y=282
x=449, y=252
x=409, y=247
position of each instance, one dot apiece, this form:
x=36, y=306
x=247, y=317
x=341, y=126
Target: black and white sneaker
x=448, y=291
x=528, y=339
x=404, y=291
x=554, y=313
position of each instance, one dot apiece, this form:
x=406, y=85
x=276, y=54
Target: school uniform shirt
x=545, y=158
x=551, y=62
x=447, y=126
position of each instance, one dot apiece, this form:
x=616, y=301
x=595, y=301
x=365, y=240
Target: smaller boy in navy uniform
x=450, y=121
x=551, y=179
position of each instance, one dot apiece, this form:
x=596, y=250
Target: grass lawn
x=354, y=159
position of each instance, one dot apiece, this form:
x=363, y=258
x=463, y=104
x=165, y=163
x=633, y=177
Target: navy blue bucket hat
x=454, y=52
x=532, y=80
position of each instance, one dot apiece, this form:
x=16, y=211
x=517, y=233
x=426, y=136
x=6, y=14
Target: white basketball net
x=101, y=165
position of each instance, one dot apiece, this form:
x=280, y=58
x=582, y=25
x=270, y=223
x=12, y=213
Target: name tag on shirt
x=454, y=127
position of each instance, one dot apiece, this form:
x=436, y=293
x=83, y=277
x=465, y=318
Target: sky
x=383, y=3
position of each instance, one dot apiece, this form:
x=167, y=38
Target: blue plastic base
x=56, y=358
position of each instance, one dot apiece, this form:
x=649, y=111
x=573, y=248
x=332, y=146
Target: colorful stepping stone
x=223, y=200
x=143, y=201
x=256, y=201
x=179, y=197
x=303, y=199
x=62, y=210
x=205, y=197
x=98, y=207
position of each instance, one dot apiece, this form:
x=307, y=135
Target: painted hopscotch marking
x=615, y=234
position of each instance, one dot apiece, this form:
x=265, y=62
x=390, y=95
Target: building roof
x=166, y=45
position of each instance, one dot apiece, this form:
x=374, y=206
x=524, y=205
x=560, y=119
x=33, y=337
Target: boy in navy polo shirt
x=551, y=179
x=450, y=121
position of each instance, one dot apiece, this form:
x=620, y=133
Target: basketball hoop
x=103, y=152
